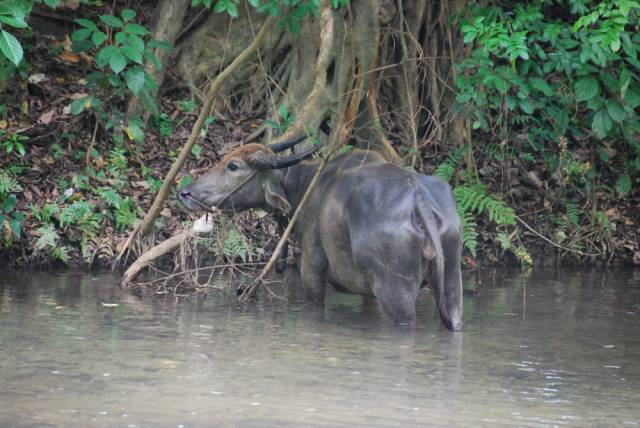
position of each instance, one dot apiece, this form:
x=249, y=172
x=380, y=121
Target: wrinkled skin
x=369, y=227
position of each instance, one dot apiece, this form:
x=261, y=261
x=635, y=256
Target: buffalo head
x=243, y=179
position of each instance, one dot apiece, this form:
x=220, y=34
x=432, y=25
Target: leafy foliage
x=475, y=199
x=121, y=46
x=446, y=170
x=236, y=245
x=13, y=14
x=10, y=218
x=469, y=232
x=48, y=240
x=292, y=12
x=13, y=143
x=551, y=75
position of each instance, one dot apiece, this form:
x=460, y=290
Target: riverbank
x=72, y=186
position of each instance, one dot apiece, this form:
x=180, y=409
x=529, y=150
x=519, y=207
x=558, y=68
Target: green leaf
x=542, y=86
x=526, y=106
x=221, y=6
x=616, y=111
x=135, y=42
x=601, y=124
x=132, y=53
x=14, y=21
x=135, y=132
x=105, y=54
x=135, y=80
x=81, y=34
x=232, y=9
x=111, y=21
x=128, y=14
x=120, y=38
x=86, y=23
x=632, y=98
x=117, y=62
x=9, y=204
x=10, y=47
x=136, y=29
x=13, y=9
x=623, y=185
x=98, y=38
x=52, y=3
x=625, y=80
x=77, y=106
x=16, y=226
x=586, y=88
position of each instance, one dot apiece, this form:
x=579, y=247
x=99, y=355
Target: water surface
x=549, y=348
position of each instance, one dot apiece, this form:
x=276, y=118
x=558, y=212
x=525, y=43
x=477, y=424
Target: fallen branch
x=145, y=225
x=148, y=256
x=531, y=229
x=199, y=226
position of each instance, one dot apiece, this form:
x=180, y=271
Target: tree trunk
x=388, y=70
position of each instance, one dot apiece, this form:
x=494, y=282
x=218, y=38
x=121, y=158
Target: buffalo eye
x=232, y=166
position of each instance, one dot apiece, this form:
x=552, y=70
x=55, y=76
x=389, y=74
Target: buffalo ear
x=274, y=194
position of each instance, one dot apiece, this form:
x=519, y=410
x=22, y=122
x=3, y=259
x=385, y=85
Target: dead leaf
x=166, y=212
x=48, y=160
x=78, y=95
x=3, y=124
x=636, y=258
x=46, y=118
x=38, y=78
x=470, y=262
x=70, y=4
x=70, y=57
x=612, y=214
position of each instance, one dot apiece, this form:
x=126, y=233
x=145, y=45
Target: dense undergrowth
x=550, y=174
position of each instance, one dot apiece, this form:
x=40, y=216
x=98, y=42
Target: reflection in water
x=545, y=349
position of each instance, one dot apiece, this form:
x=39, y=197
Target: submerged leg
x=313, y=269
x=398, y=300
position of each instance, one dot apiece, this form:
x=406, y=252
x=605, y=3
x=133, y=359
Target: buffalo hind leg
x=313, y=269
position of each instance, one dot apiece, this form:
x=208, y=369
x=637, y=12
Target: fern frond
x=469, y=233
x=475, y=199
x=7, y=183
x=573, y=213
x=125, y=214
x=47, y=237
x=110, y=196
x=447, y=169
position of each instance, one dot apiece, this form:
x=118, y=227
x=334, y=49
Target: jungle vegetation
x=529, y=109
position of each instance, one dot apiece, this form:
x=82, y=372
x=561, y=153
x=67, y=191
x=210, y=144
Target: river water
x=547, y=348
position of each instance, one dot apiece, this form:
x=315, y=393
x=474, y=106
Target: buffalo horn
x=261, y=160
x=281, y=147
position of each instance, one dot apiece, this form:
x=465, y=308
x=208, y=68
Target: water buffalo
x=369, y=227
